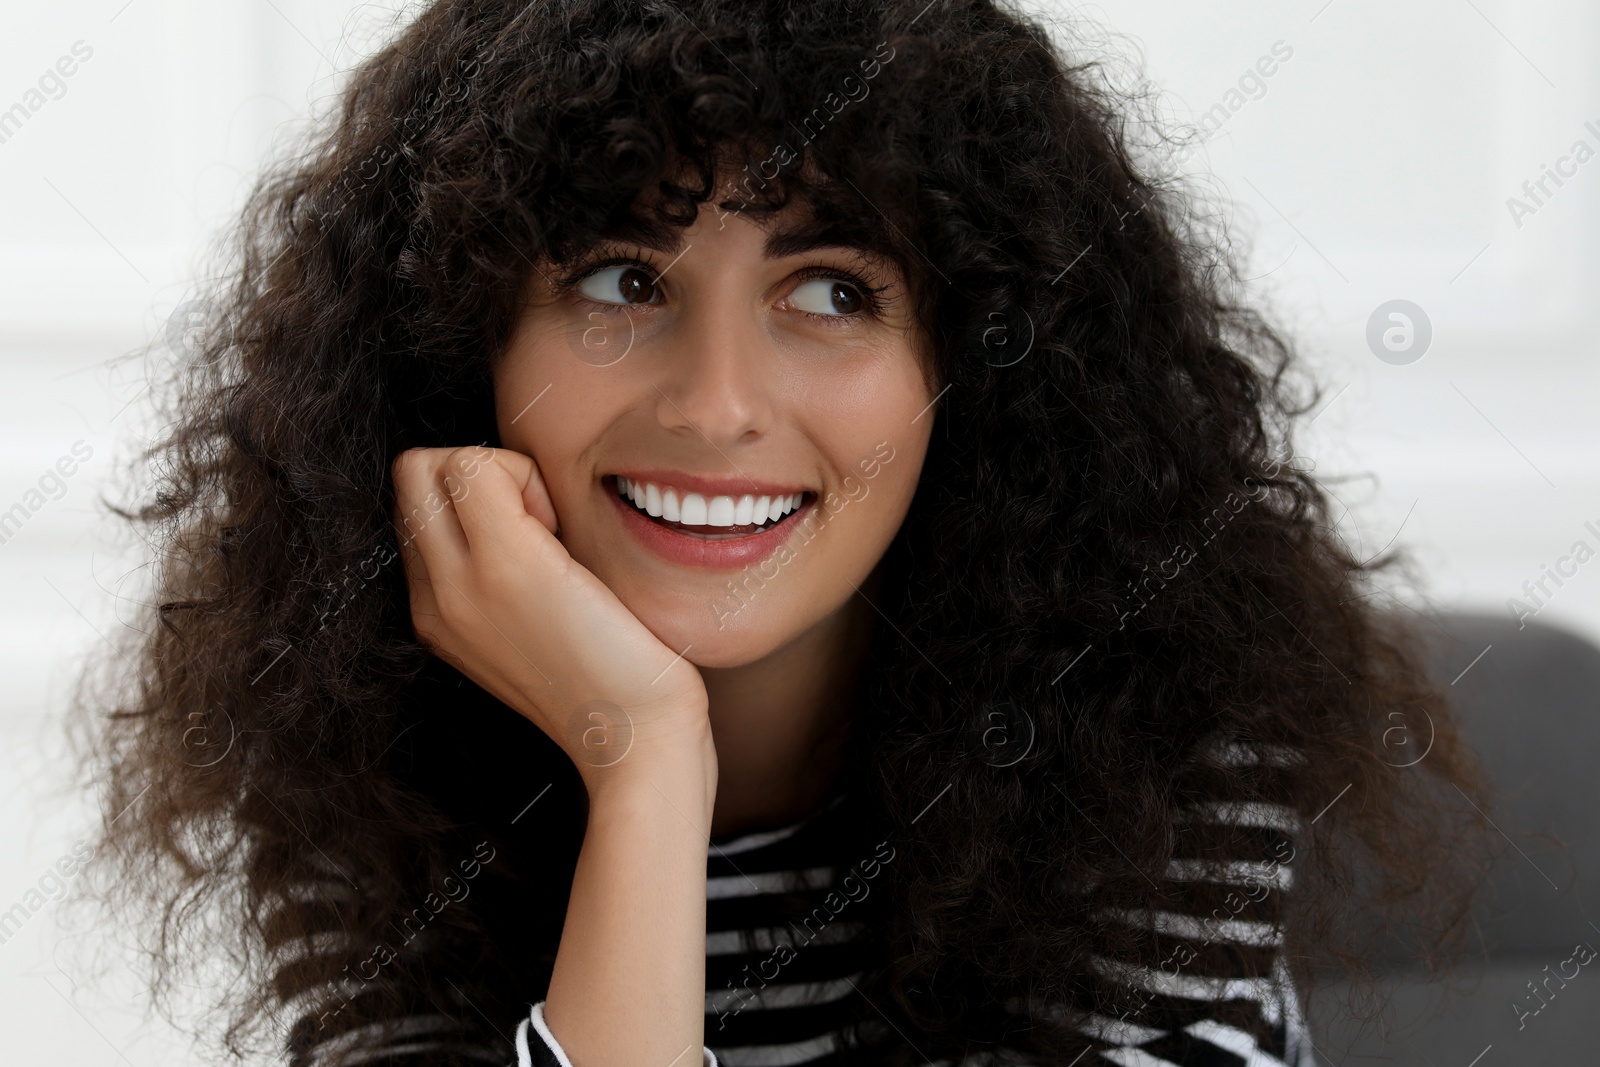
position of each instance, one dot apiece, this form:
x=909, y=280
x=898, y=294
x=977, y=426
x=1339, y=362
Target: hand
x=494, y=593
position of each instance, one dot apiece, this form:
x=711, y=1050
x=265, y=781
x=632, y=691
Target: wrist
x=678, y=763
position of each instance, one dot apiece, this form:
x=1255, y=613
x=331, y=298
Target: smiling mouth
x=648, y=498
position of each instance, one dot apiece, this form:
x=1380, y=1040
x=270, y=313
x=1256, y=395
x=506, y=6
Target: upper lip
x=710, y=486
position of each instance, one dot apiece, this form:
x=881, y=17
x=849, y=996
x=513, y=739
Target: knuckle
x=463, y=460
x=450, y=603
x=404, y=461
x=409, y=466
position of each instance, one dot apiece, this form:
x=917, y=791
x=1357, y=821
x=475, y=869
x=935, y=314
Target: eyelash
x=872, y=302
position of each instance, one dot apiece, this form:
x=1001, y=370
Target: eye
x=828, y=296
x=623, y=284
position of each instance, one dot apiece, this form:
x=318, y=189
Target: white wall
x=109, y=193
x=1376, y=166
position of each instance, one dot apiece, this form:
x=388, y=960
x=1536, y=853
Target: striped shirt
x=789, y=911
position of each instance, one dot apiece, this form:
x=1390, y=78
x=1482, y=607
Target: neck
x=781, y=723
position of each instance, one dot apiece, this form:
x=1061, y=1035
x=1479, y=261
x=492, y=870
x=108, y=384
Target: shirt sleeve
x=541, y=1049
x=1217, y=989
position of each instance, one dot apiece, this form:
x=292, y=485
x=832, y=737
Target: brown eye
x=828, y=296
x=622, y=284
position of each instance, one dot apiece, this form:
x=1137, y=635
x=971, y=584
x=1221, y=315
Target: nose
x=716, y=382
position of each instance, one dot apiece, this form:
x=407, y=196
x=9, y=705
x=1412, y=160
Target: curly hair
x=1111, y=548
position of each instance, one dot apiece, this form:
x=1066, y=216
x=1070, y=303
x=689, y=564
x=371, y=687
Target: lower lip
x=689, y=550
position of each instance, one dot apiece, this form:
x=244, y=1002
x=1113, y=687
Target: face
x=768, y=417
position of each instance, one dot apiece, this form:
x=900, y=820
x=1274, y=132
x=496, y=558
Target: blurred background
x=1369, y=160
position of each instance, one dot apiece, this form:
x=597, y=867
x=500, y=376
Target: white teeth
x=719, y=511
x=694, y=509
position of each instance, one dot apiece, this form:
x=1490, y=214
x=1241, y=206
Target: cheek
x=547, y=408
x=880, y=494
x=875, y=432
x=872, y=423
x=543, y=410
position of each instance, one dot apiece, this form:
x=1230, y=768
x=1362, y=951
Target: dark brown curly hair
x=1112, y=551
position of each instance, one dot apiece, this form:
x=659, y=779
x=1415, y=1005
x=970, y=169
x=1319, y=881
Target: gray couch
x=1531, y=708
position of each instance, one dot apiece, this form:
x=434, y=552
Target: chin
x=748, y=634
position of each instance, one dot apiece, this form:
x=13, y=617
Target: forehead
x=787, y=232
x=796, y=216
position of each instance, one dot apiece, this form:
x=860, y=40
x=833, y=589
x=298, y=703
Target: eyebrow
x=806, y=239
x=668, y=239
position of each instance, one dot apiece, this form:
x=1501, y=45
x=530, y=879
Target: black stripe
x=814, y=963
x=835, y=839
x=1181, y=1047
x=755, y=1025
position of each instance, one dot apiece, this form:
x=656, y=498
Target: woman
x=762, y=498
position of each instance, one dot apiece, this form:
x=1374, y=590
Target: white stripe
x=410, y=1026
x=1235, y=872
x=731, y=943
x=776, y=1055
x=1251, y=813
x=768, y=938
x=537, y=1015
x=524, y=1057
x=323, y=943
x=1135, y=1057
x=788, y=995
x=1193, y=986
x=477, y=1052
x=316, y=892
x=1298, y=1041
x=1119, y=1031
x=1264, y=754
x=750, y=885
x=746, y=842
x=332, y=944
x=312, y=1001
x=1235, y=1041
x=1199, y=928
